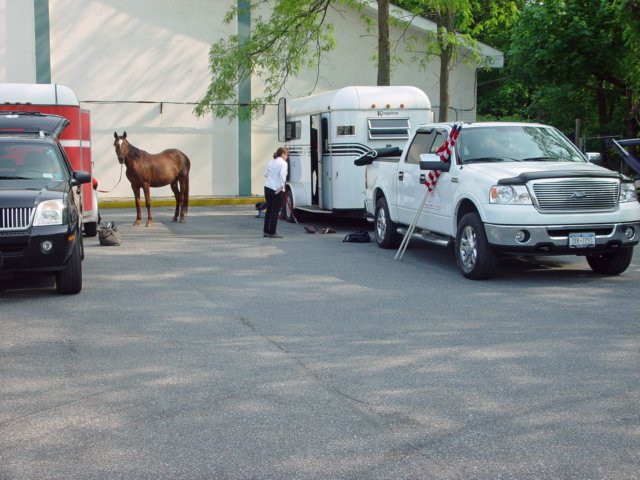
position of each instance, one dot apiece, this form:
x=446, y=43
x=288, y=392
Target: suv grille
x=15, y=218
x=577, y=195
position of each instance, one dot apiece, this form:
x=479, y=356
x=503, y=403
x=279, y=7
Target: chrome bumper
x=548, y=238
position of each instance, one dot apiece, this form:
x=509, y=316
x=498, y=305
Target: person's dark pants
x=274, y=205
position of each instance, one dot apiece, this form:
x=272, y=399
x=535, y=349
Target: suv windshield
x=515, y=143
x=25, y=160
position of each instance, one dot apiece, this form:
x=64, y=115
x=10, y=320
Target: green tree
x=452, y=19
x=628, y=16
x=296, y=35
x=569, y=54
x=459, y=25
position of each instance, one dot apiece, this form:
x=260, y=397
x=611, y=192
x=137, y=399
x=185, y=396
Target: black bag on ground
x=109, y=235
x=361, y=236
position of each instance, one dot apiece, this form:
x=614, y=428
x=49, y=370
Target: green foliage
x=567, y=53
x=628, y=17
x=294, y=35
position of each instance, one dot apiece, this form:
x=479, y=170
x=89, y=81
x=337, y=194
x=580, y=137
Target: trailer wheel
x=611, y=263
x=475, y=257
x=386, y=230
x=288, y=208
x=90, y=229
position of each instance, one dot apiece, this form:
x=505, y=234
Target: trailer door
x=316, y=155
x=326, y=185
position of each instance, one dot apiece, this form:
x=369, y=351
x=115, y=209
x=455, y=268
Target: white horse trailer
x=325, y=133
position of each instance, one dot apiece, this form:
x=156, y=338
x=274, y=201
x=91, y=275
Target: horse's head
x=122, y=146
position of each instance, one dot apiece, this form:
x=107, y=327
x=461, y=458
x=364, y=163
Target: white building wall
x=17, y=41
x=140, y=65
x=127, y=61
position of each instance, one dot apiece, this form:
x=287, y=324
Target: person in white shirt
x=274, y=187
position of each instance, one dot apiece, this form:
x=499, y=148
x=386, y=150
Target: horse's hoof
x=182, y=220
x=149, y=224
x=136, y=223
x=175, y=219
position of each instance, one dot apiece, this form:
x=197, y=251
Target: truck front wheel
x=476, y=260
x=611, y=263
x=387, y=235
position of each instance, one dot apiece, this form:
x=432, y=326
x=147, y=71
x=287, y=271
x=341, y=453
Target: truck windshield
x=30, y=161
x=519, y=143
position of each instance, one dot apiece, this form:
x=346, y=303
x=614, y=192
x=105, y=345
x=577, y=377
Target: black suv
x=40, y=201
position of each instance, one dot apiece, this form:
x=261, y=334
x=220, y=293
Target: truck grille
x=12, y=219
x=576, y=195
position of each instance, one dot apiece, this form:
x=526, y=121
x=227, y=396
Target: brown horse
x=145, y=170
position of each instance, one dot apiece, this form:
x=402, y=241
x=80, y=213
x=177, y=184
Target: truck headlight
x=628, y=192
x=509, y=195
x=49, y=212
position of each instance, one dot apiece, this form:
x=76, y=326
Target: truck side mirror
x=431, y=161
x=595, y=158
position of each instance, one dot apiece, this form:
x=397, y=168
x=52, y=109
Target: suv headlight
x=509, y=195
x=628, y=192
x=49, y=212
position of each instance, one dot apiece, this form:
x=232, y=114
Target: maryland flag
x=444, y=152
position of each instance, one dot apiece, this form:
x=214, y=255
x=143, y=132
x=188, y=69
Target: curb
x=170, y=201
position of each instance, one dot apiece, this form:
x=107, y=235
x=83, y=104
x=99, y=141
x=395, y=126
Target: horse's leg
x=176, y=193
x=147, y=202
x=136, y=196
x=184, y=197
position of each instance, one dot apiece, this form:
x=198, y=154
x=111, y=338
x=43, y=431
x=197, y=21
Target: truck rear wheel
x=611, y=263
x=475, y=257
x=386, y=230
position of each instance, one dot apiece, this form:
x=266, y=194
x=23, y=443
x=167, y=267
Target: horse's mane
x=134, y=152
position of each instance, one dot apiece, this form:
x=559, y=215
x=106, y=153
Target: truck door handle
x=423, y=178
x=400, y=176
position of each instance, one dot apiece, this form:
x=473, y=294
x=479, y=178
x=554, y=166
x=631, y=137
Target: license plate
x=582, y=240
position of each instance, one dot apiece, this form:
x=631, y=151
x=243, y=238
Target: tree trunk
x=445, y=24
x=384, y=55
x=445, y=60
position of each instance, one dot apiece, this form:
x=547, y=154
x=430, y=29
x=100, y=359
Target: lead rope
x=114, y=187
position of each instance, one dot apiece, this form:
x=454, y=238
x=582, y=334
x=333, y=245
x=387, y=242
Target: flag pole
x=412, y=227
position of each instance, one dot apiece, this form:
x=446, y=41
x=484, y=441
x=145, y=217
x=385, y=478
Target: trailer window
x=293, y=130
x=346, y=130
x=388, y=128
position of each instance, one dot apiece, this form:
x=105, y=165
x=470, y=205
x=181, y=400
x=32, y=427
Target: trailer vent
x=12, y=219
x=388, y=128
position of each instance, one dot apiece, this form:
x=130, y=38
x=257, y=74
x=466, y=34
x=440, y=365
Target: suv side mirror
x=80, y=177
x=431, y=161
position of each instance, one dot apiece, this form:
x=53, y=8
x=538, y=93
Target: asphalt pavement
x=205, y=351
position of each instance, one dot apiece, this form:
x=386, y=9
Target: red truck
x=75, y=139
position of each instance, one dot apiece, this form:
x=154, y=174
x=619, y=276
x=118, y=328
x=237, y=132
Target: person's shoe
x=275, y=236
x=265, y=235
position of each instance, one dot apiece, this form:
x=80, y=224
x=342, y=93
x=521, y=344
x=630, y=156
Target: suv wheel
x=69, y=280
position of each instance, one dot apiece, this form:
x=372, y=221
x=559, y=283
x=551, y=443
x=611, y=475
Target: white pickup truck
x=507, y=188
